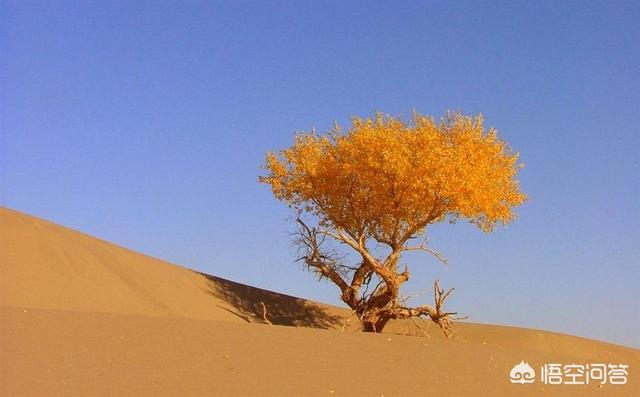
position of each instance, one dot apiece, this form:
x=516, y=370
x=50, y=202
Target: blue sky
x=145, y=123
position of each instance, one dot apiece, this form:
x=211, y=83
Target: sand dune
x=48, y=266
x=80, y=316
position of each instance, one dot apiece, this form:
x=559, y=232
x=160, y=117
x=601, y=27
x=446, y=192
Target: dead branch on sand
x=264, y=313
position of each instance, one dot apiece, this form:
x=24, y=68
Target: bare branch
x=359, y=246
x=322, y=262
x=420, y=330
x=435, y=212
x=264, y=314
x=365, y=296
x=340, y=236
x=446, y=320
x=423, y=247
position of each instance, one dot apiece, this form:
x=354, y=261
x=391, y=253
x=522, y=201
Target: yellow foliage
x=388, y=179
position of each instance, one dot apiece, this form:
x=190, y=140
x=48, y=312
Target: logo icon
x=522, y=373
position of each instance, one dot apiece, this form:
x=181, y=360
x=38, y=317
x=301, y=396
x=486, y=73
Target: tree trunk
x=374, y=322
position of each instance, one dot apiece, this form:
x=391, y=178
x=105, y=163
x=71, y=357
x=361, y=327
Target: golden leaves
x=384, y=177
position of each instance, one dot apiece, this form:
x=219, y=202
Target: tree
x=376, y=187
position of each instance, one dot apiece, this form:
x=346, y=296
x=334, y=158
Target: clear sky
x=145, y=123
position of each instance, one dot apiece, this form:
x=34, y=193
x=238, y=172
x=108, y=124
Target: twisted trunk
x=376, y=308
x=375, y=321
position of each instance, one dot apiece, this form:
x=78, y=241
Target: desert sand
x=81, y=316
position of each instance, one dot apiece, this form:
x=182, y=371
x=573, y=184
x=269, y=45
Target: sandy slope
x=80, y=316
x=43, y=265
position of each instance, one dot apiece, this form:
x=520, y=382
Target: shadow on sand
x=244, y=302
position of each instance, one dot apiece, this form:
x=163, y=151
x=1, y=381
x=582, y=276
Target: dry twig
x=264, y=313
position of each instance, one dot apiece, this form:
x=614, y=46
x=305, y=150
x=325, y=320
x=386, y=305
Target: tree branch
x=435, y=212
x=423, y=247
x=359, y=246
x=314, y=258
x=264, y=313
x=446, y=320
